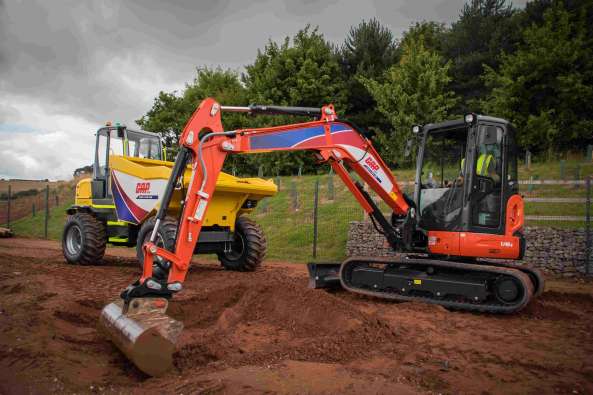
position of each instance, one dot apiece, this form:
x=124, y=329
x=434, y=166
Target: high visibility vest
x=482, y=166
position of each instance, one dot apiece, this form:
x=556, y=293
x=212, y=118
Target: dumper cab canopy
x=121, y=141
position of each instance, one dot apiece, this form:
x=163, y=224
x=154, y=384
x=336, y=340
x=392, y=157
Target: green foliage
x=306, y=73
x=368, y=51
x=546, y=86
x=431, y=33
x=484, y=29
x=414, y=92
x=303, y=71
x=170, y=111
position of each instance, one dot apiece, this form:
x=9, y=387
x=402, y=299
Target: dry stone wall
x=556, y=251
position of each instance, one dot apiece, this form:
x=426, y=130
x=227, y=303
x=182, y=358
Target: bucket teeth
x=143, y=332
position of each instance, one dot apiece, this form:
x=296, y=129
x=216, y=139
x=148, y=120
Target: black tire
x=166, y=238
x=249, y=248
x=84, y=239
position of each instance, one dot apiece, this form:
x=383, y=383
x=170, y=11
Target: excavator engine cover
x=143, y=332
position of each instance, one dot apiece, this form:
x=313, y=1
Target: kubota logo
x=143, y=187
x=371, y=163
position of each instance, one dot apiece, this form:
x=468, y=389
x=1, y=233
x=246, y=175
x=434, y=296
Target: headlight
x=470, y=118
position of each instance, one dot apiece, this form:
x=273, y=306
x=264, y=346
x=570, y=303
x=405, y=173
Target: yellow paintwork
x=83, y=193
x=230, y=194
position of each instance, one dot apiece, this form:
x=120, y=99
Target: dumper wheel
x=84, y=239
x=165, y=239
x=248, y=250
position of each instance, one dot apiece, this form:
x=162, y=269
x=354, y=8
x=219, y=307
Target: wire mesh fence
x=20, y=206
x=309, y=218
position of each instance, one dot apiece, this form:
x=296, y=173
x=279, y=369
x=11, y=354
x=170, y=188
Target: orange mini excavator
x=465, y=206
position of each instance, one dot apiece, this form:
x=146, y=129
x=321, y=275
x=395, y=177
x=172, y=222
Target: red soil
x=266, y=332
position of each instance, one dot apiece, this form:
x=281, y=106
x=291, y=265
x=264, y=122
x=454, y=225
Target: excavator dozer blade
x=324, y=275
x=143, y=332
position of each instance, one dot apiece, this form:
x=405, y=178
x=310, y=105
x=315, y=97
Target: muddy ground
x=266, y=332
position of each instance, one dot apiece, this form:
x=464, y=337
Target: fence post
x=589, y=153
x=528, y=159
x=588, y=228
x=278, y=182
x=46, y=210
x=530, y=186
x=260, y=171
x=315, y=207
x=577, y=175
x=33, y=209
x=300, y=170
x=57, y=200
x=294, y=195
x=8, y=208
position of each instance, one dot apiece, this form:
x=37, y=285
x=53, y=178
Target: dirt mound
x=270, y=317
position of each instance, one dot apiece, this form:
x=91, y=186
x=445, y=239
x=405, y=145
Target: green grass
x=289, y=230
x=34, y=226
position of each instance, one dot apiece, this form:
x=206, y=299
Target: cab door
x=110, y=141
x=493, y=182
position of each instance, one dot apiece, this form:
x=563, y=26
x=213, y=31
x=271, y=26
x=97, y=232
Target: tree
x=484, y=29
x=414, y=92
x=431, y=33
x=546, y=87
x=170, y=111
x=303, y=71
x=368, y=51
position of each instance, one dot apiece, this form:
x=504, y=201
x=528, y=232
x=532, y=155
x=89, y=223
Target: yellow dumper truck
x=117, y=205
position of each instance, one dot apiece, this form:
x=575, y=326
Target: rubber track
x=467, y=306
x=536, y=276
x=256, y=245
x=94, y=236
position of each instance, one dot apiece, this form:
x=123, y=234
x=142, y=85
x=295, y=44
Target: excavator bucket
x=143, y=332
x=324, y=275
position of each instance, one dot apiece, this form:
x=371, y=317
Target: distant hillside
x=17, y=185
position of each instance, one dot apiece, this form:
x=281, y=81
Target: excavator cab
x=466, y=174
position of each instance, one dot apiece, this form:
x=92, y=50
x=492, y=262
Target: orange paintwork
x=483, y=245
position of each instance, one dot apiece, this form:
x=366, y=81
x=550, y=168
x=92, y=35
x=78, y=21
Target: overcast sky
x=66, y=67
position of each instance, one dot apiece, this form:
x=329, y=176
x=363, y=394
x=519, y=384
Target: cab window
x=442, y=179
x=488, y=171
x=101, y=155
x=141, y=145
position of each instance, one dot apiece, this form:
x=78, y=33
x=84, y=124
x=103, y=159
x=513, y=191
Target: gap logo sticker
x=143, y=191
x=372, y=167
